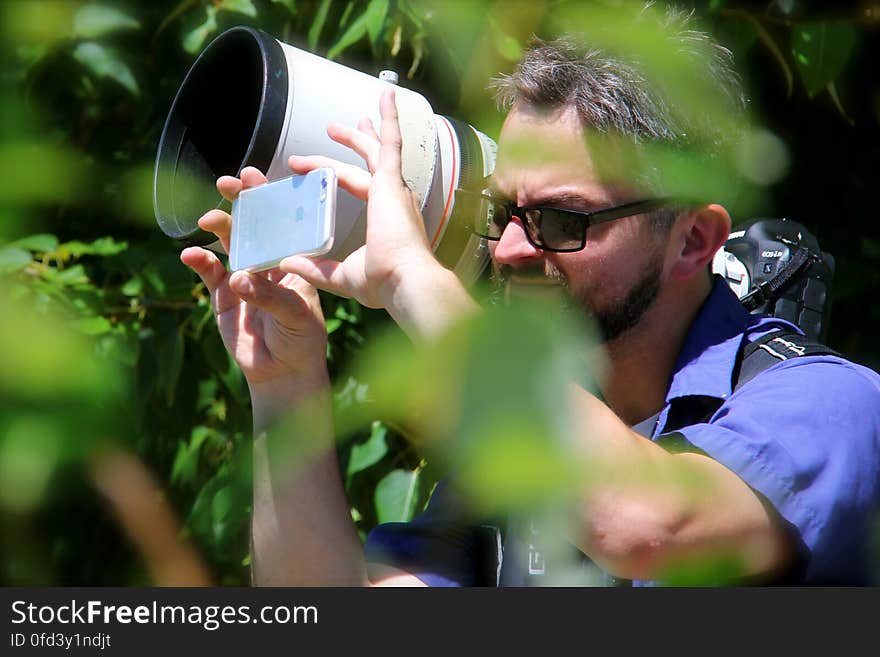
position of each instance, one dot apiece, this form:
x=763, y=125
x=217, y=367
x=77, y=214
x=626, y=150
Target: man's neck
x=641, y=360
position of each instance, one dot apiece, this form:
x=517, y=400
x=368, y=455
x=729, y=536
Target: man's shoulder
x=814, y=392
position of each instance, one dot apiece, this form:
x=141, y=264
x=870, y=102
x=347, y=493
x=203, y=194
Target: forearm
x=646, y=511
x=303, y=534
x=424, y=300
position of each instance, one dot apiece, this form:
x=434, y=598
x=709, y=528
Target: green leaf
x=221, y=505
x=71, y=276
x=369, y=452
x=184, y=467
x=355, y=32
x=133, y=287
x=821, y=51
x=93, y=21
x=122, y=345
x=170, y=360
x=346, y=14
x=318, y=24
x=195, y=38
x=787, y=7
x=103, y=62
x=245, y=7
x=92, y=325
x=375, y=17
x=41, y=243
x=770, y=43
x=333, y=324
x=13, y=259
x=103, y=246
x=290, y=4
x=186, y=462
x=214, y=351
x=506, y=45
x=396, y=496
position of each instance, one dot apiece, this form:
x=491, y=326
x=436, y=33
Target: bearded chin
x=617, y=317
x=626, y=313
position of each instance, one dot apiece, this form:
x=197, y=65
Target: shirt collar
x=705, y=364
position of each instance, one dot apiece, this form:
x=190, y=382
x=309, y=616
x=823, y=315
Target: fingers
x=363, y=143
x=352, y=179
x=217, y=222
x=366, y=126
x=230, y=186
x=213, y=274
x=390, y=141
x=206, y=264
x=324, y=274
x=252, y=177
x=287, y=305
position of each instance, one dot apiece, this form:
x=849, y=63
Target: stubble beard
x=618, y=316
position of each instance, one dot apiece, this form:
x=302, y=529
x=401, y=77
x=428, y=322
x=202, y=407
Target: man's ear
x=699, y=235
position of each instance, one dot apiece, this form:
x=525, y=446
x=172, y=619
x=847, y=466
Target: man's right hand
x=271, y=322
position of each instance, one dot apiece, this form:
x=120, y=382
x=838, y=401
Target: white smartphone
x=291, y=216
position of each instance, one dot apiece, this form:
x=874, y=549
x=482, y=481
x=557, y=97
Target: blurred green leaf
x=133, y=287
x=72, y=276
x=375, y=15
x=787, y=7
x=92, y=325
x=290, y=4
x=29, y=22
x=42, y=358
x=214, y=351
x=221, y=506
x=195, y=38
x=508, y=46
x=245, y=7
x=171, y=349
x=835, y=98
x=370, y=452
x=13, y=259
x=30, y=448
x=355, y=32
x=33, y=162
x=717, y=570
x=517, y=464
x=103, y=246
x=821, y=51
x=40, y=243
x=771, y=45
x=396, y=496
x=121, y=345
x=318, y=24
x=104, y=62
x=94, y=20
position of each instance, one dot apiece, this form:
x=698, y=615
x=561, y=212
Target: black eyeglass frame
x=587, y=219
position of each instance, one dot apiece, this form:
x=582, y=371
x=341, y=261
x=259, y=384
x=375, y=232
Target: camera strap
x=770, y=289
x=774, y=348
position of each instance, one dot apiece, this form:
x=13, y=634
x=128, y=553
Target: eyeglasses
x=550, y=229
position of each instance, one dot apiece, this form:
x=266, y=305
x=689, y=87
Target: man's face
x=543, y=159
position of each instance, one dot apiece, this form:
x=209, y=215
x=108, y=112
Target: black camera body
x=778, y=268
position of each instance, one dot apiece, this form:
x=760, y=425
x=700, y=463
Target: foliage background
x=123, y=420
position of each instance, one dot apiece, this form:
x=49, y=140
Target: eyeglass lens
x=545, y=227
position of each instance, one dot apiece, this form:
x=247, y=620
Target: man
x=788, y=463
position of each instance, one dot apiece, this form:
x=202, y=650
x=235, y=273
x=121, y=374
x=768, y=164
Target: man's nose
x=514, y=248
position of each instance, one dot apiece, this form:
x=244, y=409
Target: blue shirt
x=804, y=434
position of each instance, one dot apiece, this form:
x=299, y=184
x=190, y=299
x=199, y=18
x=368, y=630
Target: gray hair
x=612, y=94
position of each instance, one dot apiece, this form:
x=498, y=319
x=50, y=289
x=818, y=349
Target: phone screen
x=294, y=215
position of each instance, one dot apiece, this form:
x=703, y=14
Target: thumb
x=285, y=305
